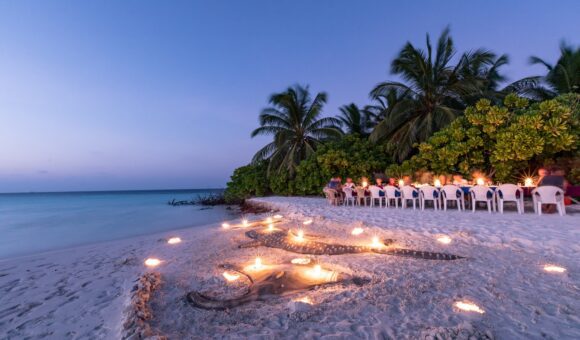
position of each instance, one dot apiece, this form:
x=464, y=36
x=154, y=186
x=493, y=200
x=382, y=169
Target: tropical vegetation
x=446, y=113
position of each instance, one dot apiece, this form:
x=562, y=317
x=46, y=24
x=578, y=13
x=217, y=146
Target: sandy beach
x=85, y=292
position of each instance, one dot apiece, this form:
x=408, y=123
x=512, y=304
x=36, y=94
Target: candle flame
x=277, y=217
x=225, y=225
x=365, y=183
x=304, y=260
x=307, y=222
x=152, y=262
x=554, y=269
x=258, y=264
x=480, y=181
x=300, y=236
x=376, y=243
x=468, y=307
x=245, y=223
x=270, y=227
x=269, y=220
x=357, y=231
x=444, y=239
x=437, y=183
x=231, y=276
x=401, y=183
x=304, y=299
x=317, y=270
x=174, y=240
x=529, y=182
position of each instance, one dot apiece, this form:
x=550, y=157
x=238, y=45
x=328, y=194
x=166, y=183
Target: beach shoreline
x=85, y=291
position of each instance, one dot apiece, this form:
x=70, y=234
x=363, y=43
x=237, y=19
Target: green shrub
x=246, y=181
x=502, y=141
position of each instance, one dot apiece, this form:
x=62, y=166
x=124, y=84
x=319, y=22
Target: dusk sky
x=101, y=95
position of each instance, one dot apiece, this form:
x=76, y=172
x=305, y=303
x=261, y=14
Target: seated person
x=379, y=182
x=349, y=183
x=392, y=181
x=542, y=172
x=555, y=178
x=333, y=184
x=407, y=180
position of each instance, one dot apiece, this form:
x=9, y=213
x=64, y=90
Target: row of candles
x=317, y=272
x=528, y=182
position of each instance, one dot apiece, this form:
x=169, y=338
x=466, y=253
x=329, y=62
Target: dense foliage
x=501, y=141
x=445, y=114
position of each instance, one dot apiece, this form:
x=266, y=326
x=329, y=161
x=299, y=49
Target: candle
x=357, y=231
x=245, y=223
x=401, y=183
x=231, y=276
x=225, y=225
x=300, y=236
x=270, y=227
x=152, y=262
x=376, y=243
x=174, y=240
x=480, y=181
x=468, y=307
x=529, y=182
x=437, y=183
x=444, y=239
x=554, y=269
x=258, y=264
x=364, y=184
x=307, y=222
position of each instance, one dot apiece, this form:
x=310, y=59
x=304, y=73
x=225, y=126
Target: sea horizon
x=109, y=191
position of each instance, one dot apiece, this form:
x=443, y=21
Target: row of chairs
x=449, y=193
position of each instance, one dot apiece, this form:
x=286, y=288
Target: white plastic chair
x=549, y=195
x=481, y=193
x=409, y=193
x=510, y=193
x=348, y=197
x=429, y=193
x=452, y=192
x=332, y=196
x=392, y=193
x=375, y=195
x=360, y=196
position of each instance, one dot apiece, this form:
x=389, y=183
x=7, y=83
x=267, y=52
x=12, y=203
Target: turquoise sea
x=38, y=222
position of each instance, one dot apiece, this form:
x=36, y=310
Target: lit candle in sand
x=437, y=183
x=529, y=182
x=554, y=269
x=300, y=236
x=225, y=225
x=174, y=240
x=365, y=184
x=480, y=181
x=152, y=262
x=270, y=227
x=277, y=217
x=376, y=243
x=468, y=307
x=258, y=264
x=269, y=220
x=231, y=276
x=245, y=223
x=357, y=231
x=444, y=239
x=299, y=260
x=304, y=299
x=307, y=222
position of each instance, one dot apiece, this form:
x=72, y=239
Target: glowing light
x=304, y=299
x=529, y=182
x=444, y=239
x=401, y=183
x=468, y=307
x=152, y=262
x=231, y=276
x=317, y=270
x=307, y=222
x=304, y=260
x=225, y=225
x=269, y=220
x=480, y=181
x=365, y=184
x=554, y=269
x=376, y=243
x=300, y=236
x=437, y=183
x=357, y=231
x=245, y=223
x=258, y=264
x=277, y=217
x=270, y=227
x=174, y=240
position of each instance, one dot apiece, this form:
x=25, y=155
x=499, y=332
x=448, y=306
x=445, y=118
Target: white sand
x=82, y=292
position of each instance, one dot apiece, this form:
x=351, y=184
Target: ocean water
x=38, y=222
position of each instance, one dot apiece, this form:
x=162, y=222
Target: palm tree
x=564, y=77
x=433, y=92
x=353, y=119
x=294, y=121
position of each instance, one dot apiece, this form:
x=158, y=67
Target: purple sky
x=100, y=95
